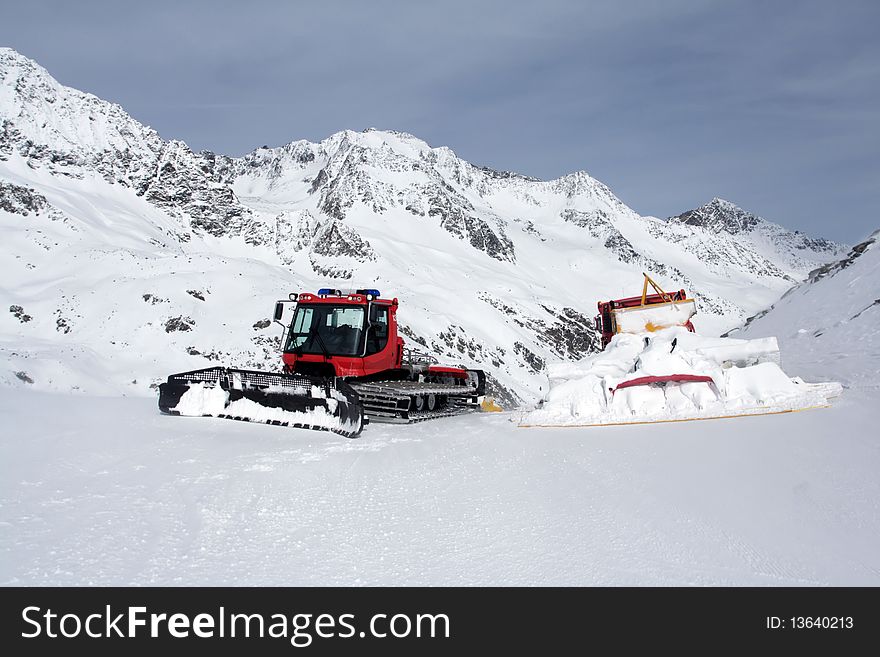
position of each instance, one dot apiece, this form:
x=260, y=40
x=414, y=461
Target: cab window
x=377, y=337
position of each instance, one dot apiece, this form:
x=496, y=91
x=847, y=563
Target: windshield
x=336, y=329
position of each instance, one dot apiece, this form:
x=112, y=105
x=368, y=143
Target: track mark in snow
x=261, y=467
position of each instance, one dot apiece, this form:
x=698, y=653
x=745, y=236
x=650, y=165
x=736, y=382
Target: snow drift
x=213, y=401
x=671, y=375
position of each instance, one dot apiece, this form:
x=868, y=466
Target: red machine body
x=373, y=349
x=388, y=357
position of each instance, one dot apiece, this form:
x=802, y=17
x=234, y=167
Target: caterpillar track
x=405, y=402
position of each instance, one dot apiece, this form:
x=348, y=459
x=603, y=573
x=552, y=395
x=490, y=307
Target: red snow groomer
x=343, y=361
x=646, y=313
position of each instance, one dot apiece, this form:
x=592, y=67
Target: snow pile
x=320, y=416
x=199, y=401
x=614, y=386
x=213, y=401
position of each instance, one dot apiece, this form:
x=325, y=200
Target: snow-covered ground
x=108, y=491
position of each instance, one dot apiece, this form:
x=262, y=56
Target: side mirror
x=279, y=311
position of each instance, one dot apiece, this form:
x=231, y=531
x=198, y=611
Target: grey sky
x=772, y=105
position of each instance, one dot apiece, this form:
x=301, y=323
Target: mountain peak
x=375, y=139
x=720, y=214
x=44, y=115
x=719, y=202
x=15, y=68
x=11, y=54
x=13, y=61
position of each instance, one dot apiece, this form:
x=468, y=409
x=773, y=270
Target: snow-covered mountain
x=770, y=242
x=127, y=257
x=828, y=327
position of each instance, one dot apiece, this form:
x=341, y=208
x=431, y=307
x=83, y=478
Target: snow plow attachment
x=646, y=313
x=658, y=316
x=292, y=400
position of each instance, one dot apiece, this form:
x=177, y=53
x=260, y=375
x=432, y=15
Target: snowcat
x=645, y=313
x=344, y=364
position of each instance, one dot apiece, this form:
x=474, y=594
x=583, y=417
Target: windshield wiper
x=323, y=346
x=312, y=334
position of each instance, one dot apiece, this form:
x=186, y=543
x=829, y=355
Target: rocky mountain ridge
x=493, y=269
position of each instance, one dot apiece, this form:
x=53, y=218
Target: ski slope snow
x=106, y=491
